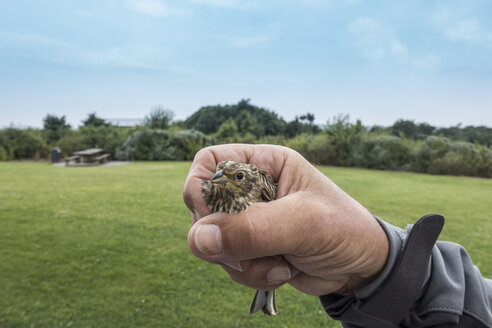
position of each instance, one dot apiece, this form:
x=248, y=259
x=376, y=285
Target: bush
x=69, y=143
x=345, y=139
x=188, y=142
x=321, y=150
x=22, y=144
x=484, y=168
x=300, y=143
x=439, y=155
x=146, y=145
x=338, y=146
x=273, y=140
x=425, y=154
x=4, y=155
x=386, y=153
x=435, y=155
x=106, y=137
x=315, y=148
x=462, y=158
x=160, y=145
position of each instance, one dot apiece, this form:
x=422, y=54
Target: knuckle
x=254, y=277
x=202, y=152
x=188, y=196
x=244, y=279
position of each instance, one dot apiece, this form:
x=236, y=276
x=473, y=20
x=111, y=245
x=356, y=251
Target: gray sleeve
x=423, y=284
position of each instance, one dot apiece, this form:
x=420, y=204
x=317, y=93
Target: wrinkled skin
x=330, y=243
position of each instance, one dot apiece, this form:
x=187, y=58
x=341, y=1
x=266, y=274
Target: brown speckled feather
x=234, y=195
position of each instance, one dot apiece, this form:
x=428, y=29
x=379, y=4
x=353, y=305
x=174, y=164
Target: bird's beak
x=219, y=177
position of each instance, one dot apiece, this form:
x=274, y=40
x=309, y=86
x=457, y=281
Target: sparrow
x=232, y=188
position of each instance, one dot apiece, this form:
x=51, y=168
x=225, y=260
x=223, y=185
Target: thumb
x=264, y=229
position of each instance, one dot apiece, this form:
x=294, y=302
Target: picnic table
x=92, y=156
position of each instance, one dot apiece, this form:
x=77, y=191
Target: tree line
x=405, y=145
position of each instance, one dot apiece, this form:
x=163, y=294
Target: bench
x=71, y=158
x=87, y=157
x=102, y=159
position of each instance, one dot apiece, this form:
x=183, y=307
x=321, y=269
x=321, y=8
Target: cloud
x=249, y=41
x=397, y=48
x=62, y=52
x=325, y=2
x=377, y=42
x=218, y=3
x=427, y=61
x=155, y=8
x=459, y=27
x=375, y=39
x=464, y=30
x=22, y=39
x=85, y=13
x=227, y=3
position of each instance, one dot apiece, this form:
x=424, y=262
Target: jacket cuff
x=386, y=300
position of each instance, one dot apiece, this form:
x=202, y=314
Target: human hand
x=330, y=243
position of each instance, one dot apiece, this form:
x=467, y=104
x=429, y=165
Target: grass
x=106, y=246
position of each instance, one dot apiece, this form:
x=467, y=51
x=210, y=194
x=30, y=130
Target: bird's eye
x=240, y=175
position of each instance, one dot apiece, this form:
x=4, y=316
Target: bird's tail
x=264, y=300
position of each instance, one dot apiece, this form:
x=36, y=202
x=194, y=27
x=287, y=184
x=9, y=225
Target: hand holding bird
x=329, y=242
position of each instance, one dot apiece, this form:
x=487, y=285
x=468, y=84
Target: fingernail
x=235, y=265
x=279, y=273
x=208, y=240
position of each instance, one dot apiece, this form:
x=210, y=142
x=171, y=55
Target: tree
x=480, y=134
x=55, y=127
x=93, y=120
x=404, y=128
x=307, y=117
x=302, y=124
x=228, y=131
x=209, y=119
x=247, y=123
x=345, y=138
x=309, y=126
x=424, y=130
x=159, y=118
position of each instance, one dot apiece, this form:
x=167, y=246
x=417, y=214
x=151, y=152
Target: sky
x=377, y=61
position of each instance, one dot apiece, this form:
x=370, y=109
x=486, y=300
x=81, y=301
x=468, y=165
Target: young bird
x=232, y=189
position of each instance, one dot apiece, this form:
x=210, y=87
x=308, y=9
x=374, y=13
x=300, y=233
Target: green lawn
x=106, y=246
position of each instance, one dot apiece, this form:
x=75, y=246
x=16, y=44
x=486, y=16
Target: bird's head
x=237, y=178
